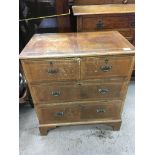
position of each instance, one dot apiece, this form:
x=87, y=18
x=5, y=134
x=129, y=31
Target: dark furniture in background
x=116, y=17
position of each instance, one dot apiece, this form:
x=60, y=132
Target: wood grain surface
x=103, y=9
x=56, y=45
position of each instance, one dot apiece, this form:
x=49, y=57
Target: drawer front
x=58, y=114
x=51, y=70
x=58, y=93
x=106, y=67
x=53, y=93
x=100, y=110
x=94, y=23
x=101, y=91
x=79, y=112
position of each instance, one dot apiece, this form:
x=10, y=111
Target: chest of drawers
x=112, y=17
x=78, y=78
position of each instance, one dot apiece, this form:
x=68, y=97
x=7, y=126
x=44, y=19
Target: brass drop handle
x=56, y=93
x=60, y=113
x=100, y=110
x=124, y=1
x=105, y=68
x=103, y=91
x=99, y=25
x=52, y=71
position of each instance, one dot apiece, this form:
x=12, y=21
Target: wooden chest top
x=53, y=45
x=103, y=9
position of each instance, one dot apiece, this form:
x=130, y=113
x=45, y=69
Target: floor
x=82, y=139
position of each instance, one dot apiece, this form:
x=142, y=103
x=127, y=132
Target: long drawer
x=77, y=91
x=52, y=70
x=79, y=112
x=103, y=22
x=107, y=67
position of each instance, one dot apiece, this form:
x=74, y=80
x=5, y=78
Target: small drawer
x=51, y=70
x=105, y=67
x=110, y=110
x=58, y=114
x=84, y=91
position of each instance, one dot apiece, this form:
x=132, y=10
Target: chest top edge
x=76, y=45
x=131, y=53
x=103, y=9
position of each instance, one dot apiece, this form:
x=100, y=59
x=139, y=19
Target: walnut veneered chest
x=78, y=78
